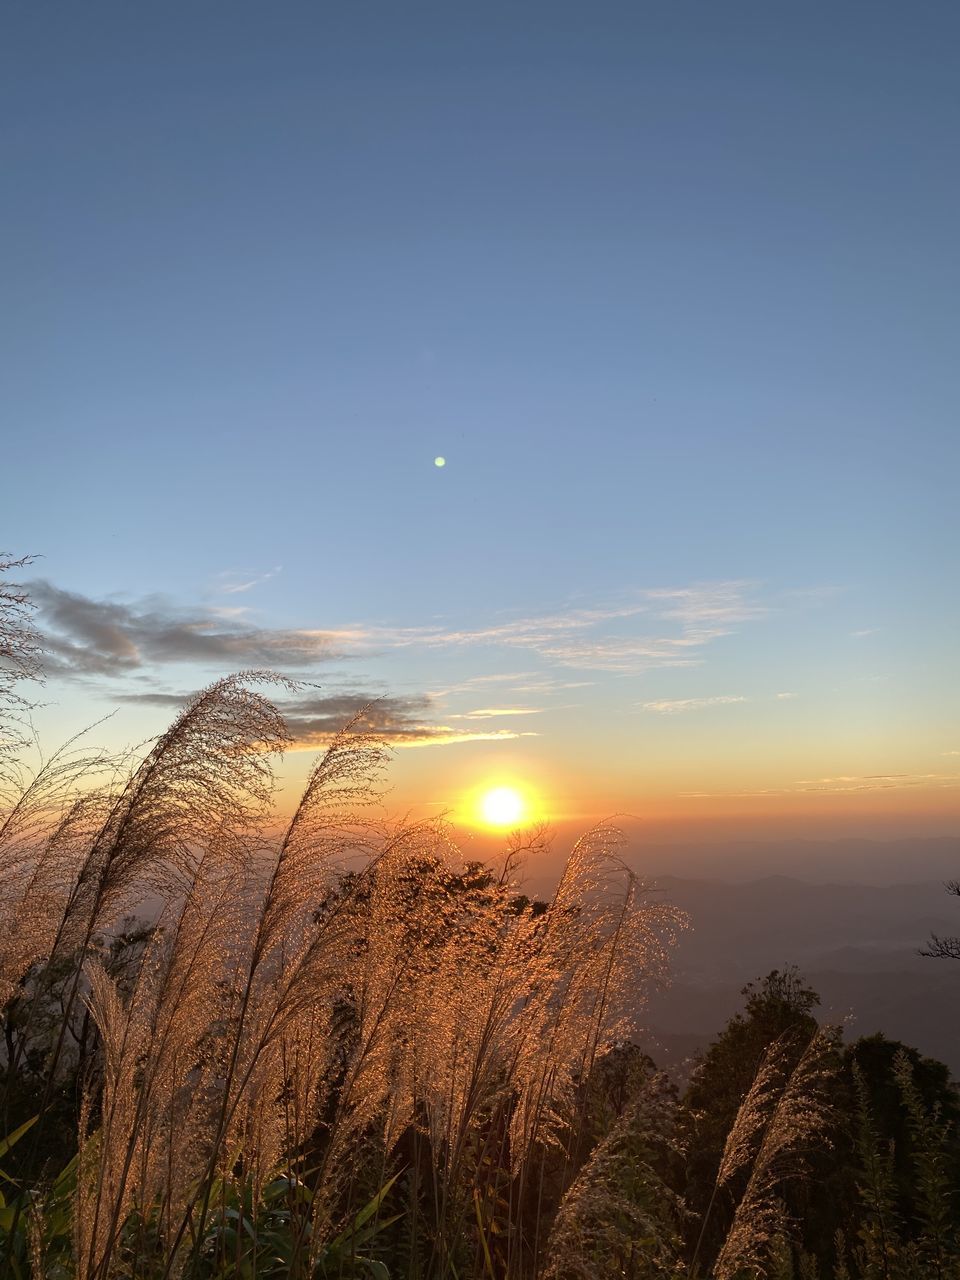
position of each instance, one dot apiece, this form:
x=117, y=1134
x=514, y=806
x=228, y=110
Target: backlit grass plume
x=783, y=1117
x=619, y=1217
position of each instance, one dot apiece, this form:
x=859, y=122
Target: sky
x=672, y=288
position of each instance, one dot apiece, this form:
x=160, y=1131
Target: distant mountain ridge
x=847, y=861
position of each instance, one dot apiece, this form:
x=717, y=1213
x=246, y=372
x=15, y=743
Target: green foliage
x=905, y=1152
x=266, y=1238
x=880, y=1246
x=934, y=1192
x=35, y=1229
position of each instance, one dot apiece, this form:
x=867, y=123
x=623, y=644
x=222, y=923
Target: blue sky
x=671, y=287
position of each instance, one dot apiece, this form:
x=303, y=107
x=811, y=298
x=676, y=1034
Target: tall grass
x=335, y=1047
x=318, y=1023
x=784, y=1116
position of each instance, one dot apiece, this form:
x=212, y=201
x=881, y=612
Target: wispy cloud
x=881, y=782
x=494, y=713
x=473, y=683
x=715, y=605
x=525, y=633
x=676, y=706
x=864, y=632
x=843, y=784
x=646, y=653
x=516, y=682
x=785, y=697
x=552, y=686
x=443, y=736
x=617, y=638
x=232, y=583
x=231, y=611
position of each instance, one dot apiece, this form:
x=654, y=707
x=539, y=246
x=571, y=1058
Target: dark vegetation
x=341, y=1049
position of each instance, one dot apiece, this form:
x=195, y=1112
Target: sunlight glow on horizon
x=500, y=803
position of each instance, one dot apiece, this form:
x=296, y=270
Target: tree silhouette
x=944, y=948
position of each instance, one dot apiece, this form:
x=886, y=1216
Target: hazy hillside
x=856, y=944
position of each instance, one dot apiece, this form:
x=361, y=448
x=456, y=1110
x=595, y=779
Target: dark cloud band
x=101, y=637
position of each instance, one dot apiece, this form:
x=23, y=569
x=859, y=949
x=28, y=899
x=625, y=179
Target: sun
x=502, y=807
x=501, y=803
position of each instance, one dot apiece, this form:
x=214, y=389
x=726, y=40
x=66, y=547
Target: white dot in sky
x=439, y=462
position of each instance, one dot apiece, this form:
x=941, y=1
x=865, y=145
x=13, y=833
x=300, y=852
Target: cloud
x=783, y=697
x=524, y=633
x=233, y=584
x=409, y=721
x=516, y=682
x=229, y=610
x=881, y=782
x=83, y=636
x=404, y=722
x=607, y=638
x=551, y=686
x=314, y=718
x=712, y=606
x=844, y=784
x=474, y=682
x=493, y=713
x=443, y=736
x=863, y=632
x=172, y=700
x=625, y=655
x=669, y=707
x=318, y=716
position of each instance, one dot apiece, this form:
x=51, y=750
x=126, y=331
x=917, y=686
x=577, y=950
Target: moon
x=439, y=461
